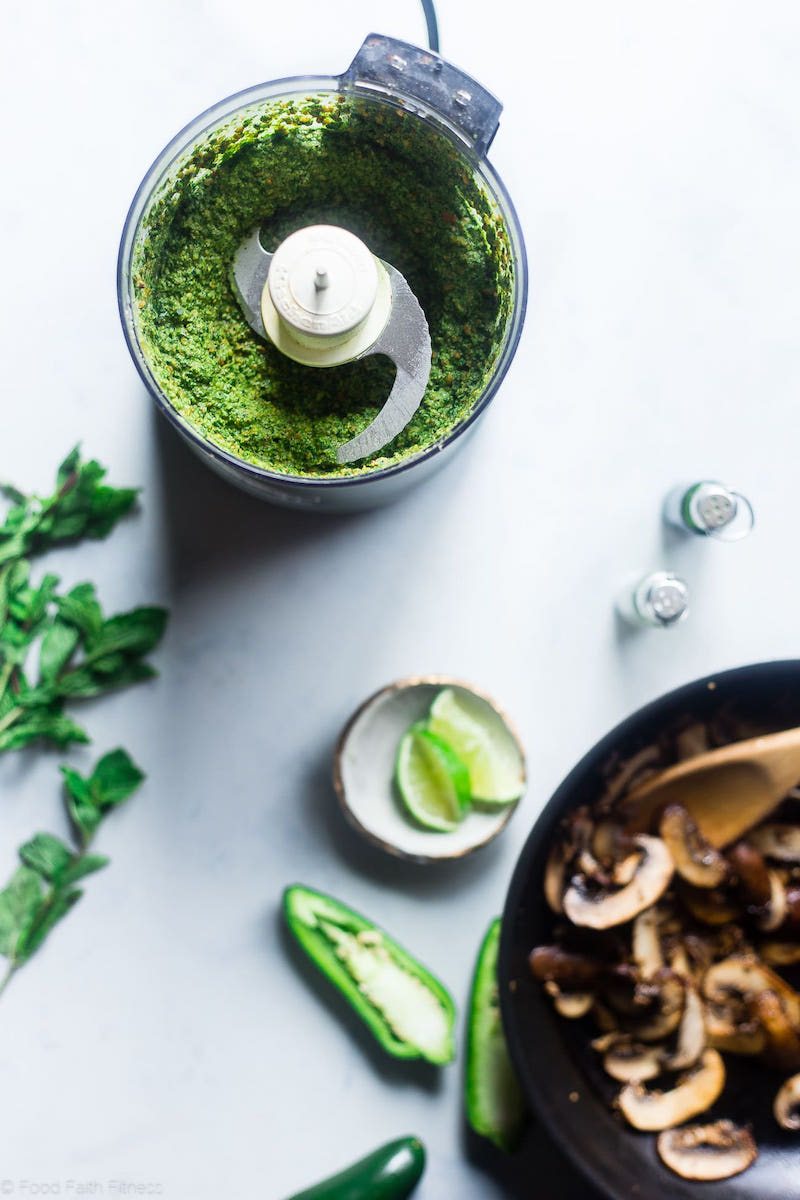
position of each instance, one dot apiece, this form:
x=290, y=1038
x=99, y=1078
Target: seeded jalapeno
x=410, y=1013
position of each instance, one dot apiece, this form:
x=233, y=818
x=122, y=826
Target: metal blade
x=406, y=340
x=249, y=272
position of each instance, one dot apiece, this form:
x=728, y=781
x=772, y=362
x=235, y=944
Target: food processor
x=323, y=297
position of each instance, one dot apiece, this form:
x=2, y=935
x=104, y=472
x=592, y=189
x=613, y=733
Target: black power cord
x=432, y=24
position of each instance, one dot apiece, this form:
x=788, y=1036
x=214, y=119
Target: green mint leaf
x=47, y=917
x=41, y=724
x=107, y=506
x=58, y=645
x=135, y=632
x=20, y=902
x=82, y=683
x=85, y=818
x=28, y=607
x=82, y=506
x=12, y=493
x=8, y=701
x=68, y=467
x=83, y=865
x=47, y=855
x=115, y=778
x=84, y=814
x=80, y=608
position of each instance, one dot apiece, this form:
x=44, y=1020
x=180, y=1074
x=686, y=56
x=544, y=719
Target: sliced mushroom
x=599, y=908
x=728, y=1030
x=780, y=954
x=782, y=1046
x=743, y=976
x=628, y=1061
x=623, y=871
x=779, y=842
x=696, y=860
x=752, y=875
x=572, y=1005
x=786, y=1105
x=574, y=972
x=692, y=1095
x=707, y=1152
x=700, y=951
x=609, y=840
x=636, y=768
x=679, y=962
x=555, y=876
x=710, y=906
x=777, y=907
x=691, y=1034
x=646, y=943
x=667, y=1012
x=710, y=945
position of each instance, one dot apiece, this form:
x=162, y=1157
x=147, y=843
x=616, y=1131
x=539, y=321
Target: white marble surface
x=167, y=1034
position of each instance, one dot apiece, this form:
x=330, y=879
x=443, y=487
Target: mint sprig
x=80, y=506
x=55, y=648
x=113, y=780
x=42, y=890
x=80, y=653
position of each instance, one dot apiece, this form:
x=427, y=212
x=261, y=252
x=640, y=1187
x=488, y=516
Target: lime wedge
x=484, y=743
x=432, y=780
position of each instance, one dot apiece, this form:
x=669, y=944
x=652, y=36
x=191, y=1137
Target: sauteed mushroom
x=691, y=1034
x=696, y=860
x=661, y=941
x=786, y=1106
x=707, y=1152
x=780, y=954
x=602, y=908
x=628, y=1061
x=572, y=1005
x=782, y=1048
x=646, y=943
x=779, y=842
x=692, y=1095
x=743, y=976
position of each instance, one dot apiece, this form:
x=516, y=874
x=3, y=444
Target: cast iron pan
x=558, y=1070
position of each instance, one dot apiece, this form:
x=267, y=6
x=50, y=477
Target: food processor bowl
x=452, y=104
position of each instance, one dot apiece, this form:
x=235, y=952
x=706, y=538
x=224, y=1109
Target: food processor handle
x=409, y=72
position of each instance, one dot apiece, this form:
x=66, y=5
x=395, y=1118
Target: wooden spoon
x=728, y=790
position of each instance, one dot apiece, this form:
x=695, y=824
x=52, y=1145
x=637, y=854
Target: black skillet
x=559, y=1072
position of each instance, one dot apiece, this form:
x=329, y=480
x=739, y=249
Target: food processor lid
x=428, y=85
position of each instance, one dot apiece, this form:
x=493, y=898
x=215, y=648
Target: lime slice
x=432, y=780
x=482, y=740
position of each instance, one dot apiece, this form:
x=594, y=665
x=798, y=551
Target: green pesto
x=398, y=185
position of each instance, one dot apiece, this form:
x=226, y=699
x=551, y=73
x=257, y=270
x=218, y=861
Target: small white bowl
x=363, y=774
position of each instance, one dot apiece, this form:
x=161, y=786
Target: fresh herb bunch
x=42, y=889
x=57, y=647
x=81, y=653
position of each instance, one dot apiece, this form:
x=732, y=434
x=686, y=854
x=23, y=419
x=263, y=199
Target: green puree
x=394, y=182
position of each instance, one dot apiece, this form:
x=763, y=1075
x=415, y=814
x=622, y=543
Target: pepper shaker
x=709, y=509
x=656, y=600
